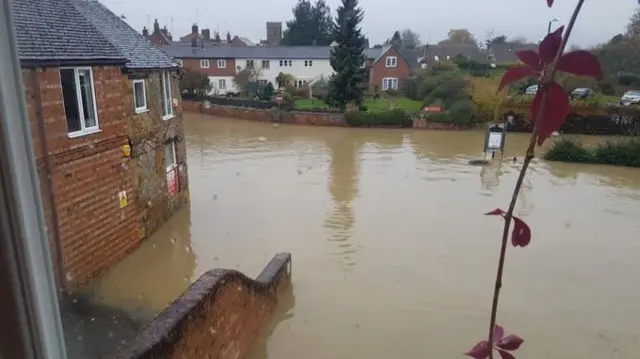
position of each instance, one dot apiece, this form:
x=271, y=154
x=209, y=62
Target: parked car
x=581, y=93
x=631, y=97
x=531, y=90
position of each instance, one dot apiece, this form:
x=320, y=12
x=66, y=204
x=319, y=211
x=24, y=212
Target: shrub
x=569, y=151
x=621, y=153
x=396, y=117
x=194, y=83
x=485, y=99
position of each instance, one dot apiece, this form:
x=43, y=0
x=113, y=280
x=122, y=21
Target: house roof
x=139, y=52
x=54, y=31
x=182, y=51
x=506, y=52
x=449, y=51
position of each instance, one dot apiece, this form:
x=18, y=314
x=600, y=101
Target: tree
x=347, y=58
x=633, y=28
x=499, y=39
x=396, y=40
x=410, y=39
x=284, y=80
x=459, y=37
x=245, y=77
x=195, y=83
x=407, y=39
x=311, y=24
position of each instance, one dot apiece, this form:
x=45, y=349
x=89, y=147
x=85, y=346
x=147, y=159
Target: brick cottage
x=106, y=124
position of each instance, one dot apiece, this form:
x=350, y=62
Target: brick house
x=89, y=84
x=158, y=36
x=389, y=70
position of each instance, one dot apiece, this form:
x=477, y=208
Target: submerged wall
x=219, y=316
x=267, y=115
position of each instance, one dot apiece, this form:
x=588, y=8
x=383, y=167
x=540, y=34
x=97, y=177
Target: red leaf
x=550, y=3
x=555, y=113
x=530, y=58
x=480, y=351
x=505, y=355
x=514, y=74
x=498, y=333
x=550, y=45
x=581, y=63
x=495, y=212
x=510, y=342
x=521, y=233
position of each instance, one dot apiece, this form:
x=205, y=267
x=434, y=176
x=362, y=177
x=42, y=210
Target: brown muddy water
x=392, y=257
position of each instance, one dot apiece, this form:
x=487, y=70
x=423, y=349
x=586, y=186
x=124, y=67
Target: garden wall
x=219, y=316
x=270, y=115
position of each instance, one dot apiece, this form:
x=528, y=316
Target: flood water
x=392, y=257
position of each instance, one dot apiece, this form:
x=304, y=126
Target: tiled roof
x=53, y=30
x=183, y=51
x=140, y=52
x=506, y=52
x=449, y=51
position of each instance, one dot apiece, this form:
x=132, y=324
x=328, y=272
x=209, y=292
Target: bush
x=460, y=112
x=486, y=100
x=569, y=151
x=396, y=117
x=194, y=83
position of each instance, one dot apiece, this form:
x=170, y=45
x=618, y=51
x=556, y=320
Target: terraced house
x=388, y=68
x=106, y=123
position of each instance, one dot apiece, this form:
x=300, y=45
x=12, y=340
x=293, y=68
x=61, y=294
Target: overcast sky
x=598, y=21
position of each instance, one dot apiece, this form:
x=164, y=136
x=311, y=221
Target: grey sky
x=598, y=21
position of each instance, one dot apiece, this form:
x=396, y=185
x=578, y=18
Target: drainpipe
x=35, y=83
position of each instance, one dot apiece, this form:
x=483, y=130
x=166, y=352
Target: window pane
x=86, y=92
x=70, y=96
x=138, y=91
x=169, y=158
x=167, y=85
x=162, y=94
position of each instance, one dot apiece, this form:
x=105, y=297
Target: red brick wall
x=379, y=71
x=87, y=174
x=213, y=70
x=219, y=316
x=298, y=118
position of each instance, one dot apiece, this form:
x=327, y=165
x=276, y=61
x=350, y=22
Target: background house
x=306, y=63
x=81, y=105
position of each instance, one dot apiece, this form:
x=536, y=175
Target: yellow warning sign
x=122, y=197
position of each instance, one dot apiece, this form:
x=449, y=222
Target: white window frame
x=267, y=63
x=222, y=84
x=180, y=62
x=391, y=61
x=222, y=64
x=300, y=83
x=165, y=78
x=84, y=130
x=250, y=64
x=143, y=108
x=286, y=63
x=204, y=64
x=308, y=63
x=386, y=83
x=174, y=164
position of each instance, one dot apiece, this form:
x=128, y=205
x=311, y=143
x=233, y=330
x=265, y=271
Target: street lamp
x=551, y=22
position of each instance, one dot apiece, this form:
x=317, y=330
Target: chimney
x=194, y=42
x=145, y=31
x=206, y=33
x=156, y=26
x=194, y=29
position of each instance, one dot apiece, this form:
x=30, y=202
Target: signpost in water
x=494, y=138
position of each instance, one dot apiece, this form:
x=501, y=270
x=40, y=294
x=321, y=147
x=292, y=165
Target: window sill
x=141, y=110
x=83, y=133
x=168, y=117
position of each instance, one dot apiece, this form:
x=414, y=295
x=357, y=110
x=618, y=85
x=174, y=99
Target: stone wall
x=149, y=133
x=272, y=115
x=219, y=316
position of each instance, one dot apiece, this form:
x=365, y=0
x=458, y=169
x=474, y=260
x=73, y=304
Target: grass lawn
x=374, y=105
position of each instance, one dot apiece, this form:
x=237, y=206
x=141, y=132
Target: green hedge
x=395, y=117
x=624, y=152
